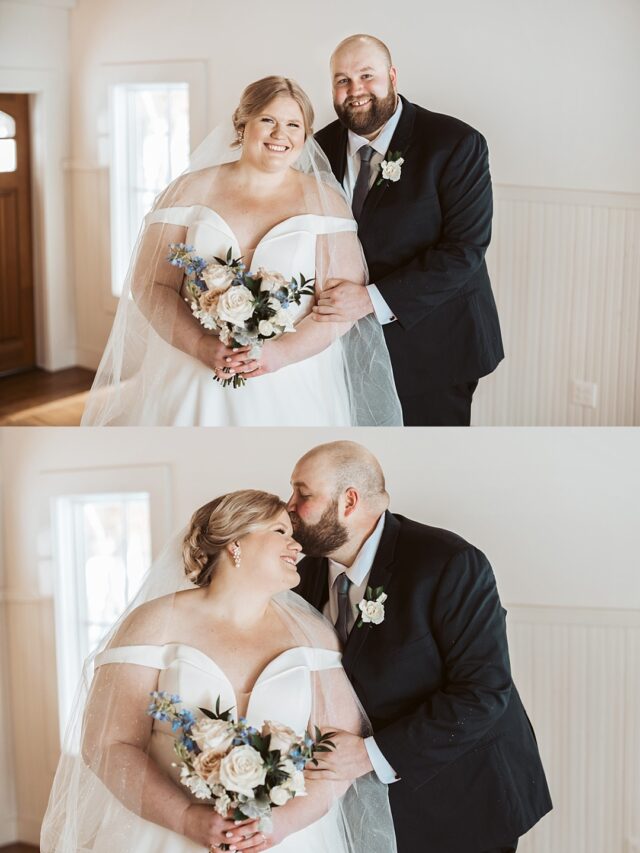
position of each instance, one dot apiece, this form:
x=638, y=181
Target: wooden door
x=17, y=335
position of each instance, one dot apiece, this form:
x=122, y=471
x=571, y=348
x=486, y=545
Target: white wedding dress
x=282, y=692
x=312, y=392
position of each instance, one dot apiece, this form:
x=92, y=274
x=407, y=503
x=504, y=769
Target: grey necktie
x=344, y=607
x=364, y=178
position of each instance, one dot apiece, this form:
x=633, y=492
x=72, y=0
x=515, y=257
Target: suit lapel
x=381, y=572
x=317, y=572
x=400, y=141
x=338, y=157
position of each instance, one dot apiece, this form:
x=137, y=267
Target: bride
x=265, y=193
x=216, y=622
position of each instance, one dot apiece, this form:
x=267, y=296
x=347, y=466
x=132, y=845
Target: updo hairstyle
x=221, y=521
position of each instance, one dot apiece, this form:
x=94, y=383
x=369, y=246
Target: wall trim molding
x=591, y=198
x=524, y=614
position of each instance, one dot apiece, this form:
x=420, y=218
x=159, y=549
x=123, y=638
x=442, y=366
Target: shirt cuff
x=383, y=313
x=381, y=767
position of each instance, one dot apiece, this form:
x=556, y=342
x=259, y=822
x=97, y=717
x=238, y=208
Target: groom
x=424, y=221
x=450, y=734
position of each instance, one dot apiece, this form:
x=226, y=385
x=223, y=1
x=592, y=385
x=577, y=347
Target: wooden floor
x=37, y=397
x=19, y=848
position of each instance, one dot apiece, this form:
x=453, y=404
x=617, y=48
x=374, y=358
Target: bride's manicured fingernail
x=229, y=835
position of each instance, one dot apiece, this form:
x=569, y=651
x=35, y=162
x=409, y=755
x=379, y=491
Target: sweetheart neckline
x=219, y=669
x=231, y=233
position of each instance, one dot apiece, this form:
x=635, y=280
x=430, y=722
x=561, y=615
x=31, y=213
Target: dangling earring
x=237, y=555
x=241, y=136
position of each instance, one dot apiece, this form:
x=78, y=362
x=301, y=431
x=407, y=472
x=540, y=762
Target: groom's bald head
x=347, y=464
x=362, y=40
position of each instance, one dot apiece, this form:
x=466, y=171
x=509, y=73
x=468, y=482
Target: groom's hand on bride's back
x=342, y=301
x=206, y=827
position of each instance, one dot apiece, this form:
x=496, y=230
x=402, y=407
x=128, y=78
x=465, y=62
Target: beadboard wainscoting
x=565, y=267
x=578, y=672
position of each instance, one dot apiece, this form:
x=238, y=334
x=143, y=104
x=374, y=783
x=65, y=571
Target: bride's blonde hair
x=257, y=95
x=218, y=523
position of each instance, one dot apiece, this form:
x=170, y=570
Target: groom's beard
x=322, y=538
x=364, y=122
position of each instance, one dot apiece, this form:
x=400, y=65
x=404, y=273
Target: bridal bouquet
x=244, y=308
x=238, y=768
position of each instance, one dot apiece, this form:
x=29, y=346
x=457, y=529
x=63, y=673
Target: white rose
x=372, y=611
x=217, y=278
x=242, y=770
x=214, y=736
x=279, y=795
x=271, y=280
x=236, y=305
x=265, y=328
x=282, y=737
x=391, y=169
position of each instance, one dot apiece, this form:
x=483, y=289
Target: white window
x=107, y=525
x=149, y=148
x=8, y=160
x=104, y=549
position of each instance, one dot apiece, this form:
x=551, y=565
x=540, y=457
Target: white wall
x=551, y=84
x=556, y=511
x=34, y=46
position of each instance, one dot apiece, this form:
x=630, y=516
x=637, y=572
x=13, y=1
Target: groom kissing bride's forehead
x=420, y=189
x=425, y=646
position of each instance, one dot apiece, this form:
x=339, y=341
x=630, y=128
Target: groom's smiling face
x=314, y=510
x=364, y=87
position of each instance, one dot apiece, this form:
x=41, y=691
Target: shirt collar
x=361, y=566
x=382, y=141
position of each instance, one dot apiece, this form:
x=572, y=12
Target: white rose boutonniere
x=372, y=607
x=391, y=168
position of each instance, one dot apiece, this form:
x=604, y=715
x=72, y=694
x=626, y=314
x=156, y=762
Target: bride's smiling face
x=269, y=555
x=274, y=138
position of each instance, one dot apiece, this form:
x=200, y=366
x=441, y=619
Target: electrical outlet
x=584, y=393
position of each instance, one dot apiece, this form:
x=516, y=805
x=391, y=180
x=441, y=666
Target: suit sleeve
x=469, y=629
x=437, y=273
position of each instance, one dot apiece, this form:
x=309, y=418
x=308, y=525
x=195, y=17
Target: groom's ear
x=351, y=501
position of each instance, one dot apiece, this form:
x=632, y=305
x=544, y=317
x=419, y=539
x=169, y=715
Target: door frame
x=50, y=205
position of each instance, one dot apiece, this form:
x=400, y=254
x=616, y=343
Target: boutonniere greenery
x=391, y=168
x=372, y=607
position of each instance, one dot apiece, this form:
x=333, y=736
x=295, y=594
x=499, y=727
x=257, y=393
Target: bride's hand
x=271, y=358
x=206, y=827
x=221, y=359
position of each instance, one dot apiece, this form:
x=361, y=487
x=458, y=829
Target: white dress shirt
x=358, y=573
x=380, y=146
